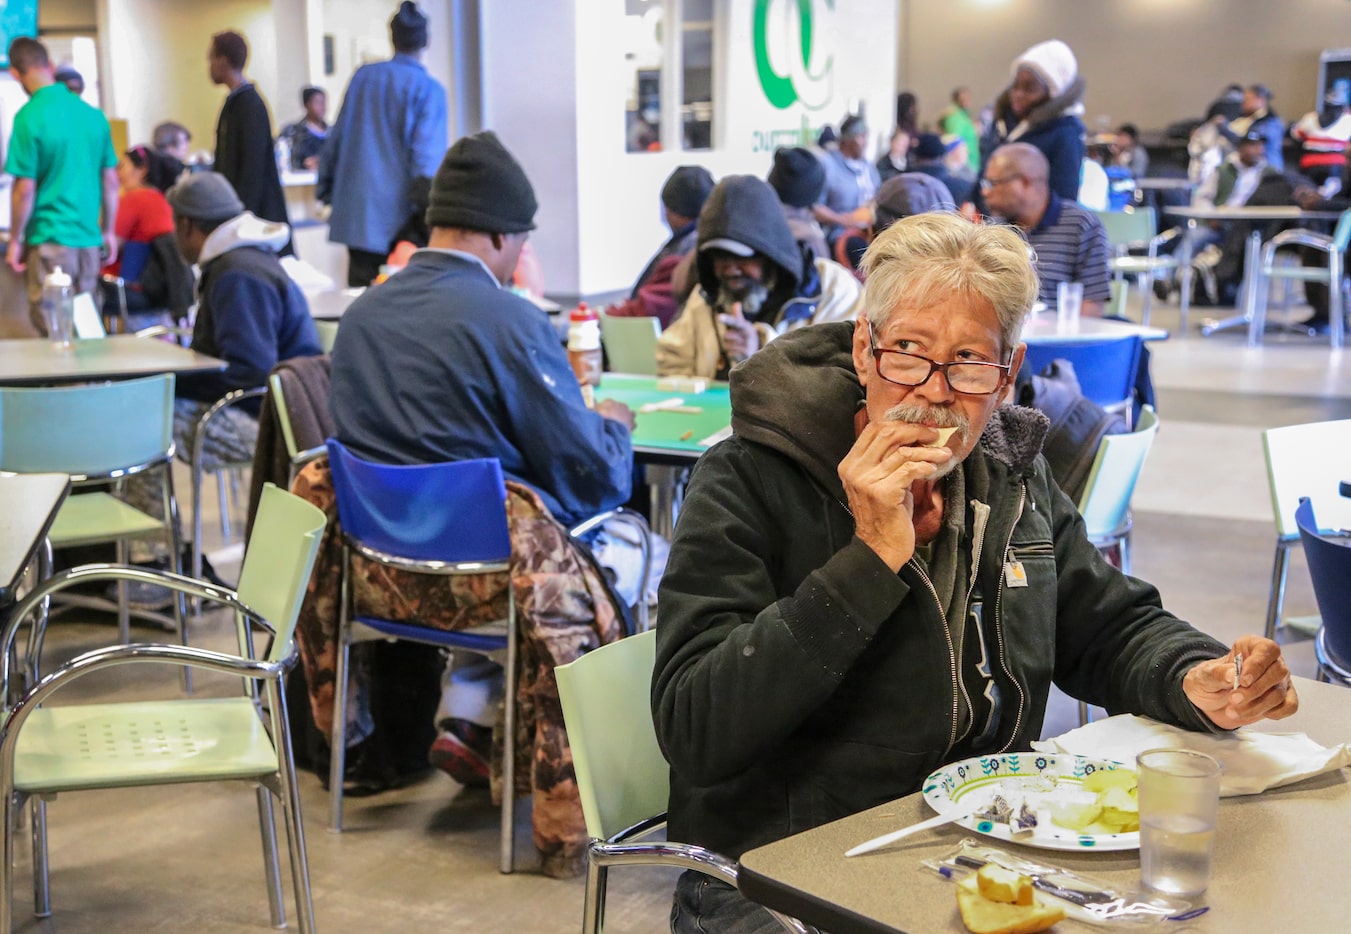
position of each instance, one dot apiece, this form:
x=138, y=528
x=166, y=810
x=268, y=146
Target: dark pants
x=703, y=904
x=363, y=266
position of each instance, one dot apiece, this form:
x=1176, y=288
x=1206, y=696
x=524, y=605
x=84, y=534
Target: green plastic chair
x=622, y=778
x=48, y=750
x=98, y=434
x=1137, y=228
x=296, y=457
x=1303, y=460
x=631, y=344
x=1106, y=500
x=1334, y=247
x=328, y=333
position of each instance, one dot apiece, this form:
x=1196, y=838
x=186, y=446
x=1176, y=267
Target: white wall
x=555, y=84
x=1149, y=62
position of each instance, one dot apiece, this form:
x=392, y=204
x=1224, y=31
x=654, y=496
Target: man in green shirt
x=64, y=167
x=957, y=120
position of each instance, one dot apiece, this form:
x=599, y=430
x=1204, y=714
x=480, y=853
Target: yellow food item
x=983, y=916
x=1120, y=811
x=1104, y=779
x=1004, y=885
x=1075, y=809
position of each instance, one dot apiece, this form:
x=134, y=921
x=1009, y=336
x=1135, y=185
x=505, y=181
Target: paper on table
x=1253, y=761
x=721, y=434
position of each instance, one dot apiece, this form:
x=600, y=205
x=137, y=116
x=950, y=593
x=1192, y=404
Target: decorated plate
x=1039, y=779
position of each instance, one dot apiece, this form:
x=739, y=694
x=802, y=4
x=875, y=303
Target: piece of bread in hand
x=1004, y=885
x=982, y=916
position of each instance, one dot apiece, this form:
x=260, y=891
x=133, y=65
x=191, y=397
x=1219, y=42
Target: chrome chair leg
x=508, y=843
x=42, y=881
x=593, y=905
x=290, y=806
x=170, y=506
x=224, y=505
x=267, y=829
x=1276, y=602
x=338, y=733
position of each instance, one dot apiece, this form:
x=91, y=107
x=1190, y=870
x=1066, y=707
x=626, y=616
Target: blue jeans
x=703, y=905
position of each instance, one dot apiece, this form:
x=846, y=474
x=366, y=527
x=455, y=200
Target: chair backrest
x=631, y=344
x=453, y=512
x=622, y=777
x=88, y=430
x=1111, y=480
x=279, y=559
x=1106, y=369
x=1133, y=226
x=328, y=333
x=1329, y=560
x=1308, y=460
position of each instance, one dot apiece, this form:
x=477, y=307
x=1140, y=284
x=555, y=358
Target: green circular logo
x=799, y=84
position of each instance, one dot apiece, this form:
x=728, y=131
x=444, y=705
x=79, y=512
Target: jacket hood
x=1069, y=103
x=245, y=230
x=799, y=396
x=745, y=209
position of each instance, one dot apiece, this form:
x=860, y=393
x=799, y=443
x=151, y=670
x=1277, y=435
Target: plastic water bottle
x=283, y=154
x=584, y=351
x=58, y=308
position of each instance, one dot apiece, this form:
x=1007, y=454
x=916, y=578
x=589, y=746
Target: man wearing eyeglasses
x=856, y=597
x=1070, y=242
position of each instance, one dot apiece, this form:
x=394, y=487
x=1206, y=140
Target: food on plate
x=943, y=435
x=1004, y=885
x=985, y=915
x=1105, y=803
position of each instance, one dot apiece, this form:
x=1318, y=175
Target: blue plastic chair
x=1329, y=557
x=447, y=518
x=1106, y=369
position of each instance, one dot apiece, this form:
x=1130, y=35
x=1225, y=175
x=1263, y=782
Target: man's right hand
x=877, y=474
x=616, y=411
x=740, y=340
x=14, y=256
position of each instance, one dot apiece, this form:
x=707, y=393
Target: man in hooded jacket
x=755, y=282
x=855, y=598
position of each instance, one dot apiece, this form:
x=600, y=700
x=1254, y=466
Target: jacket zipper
x=999, y=625
x=952, y=652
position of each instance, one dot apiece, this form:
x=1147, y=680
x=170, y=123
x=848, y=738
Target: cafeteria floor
x=424, y=858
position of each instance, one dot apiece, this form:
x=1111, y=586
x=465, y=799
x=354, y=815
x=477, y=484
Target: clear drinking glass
x=1179, y=795
x=1069, y=301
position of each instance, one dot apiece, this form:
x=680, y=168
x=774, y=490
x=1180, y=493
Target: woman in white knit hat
x=1044, y=106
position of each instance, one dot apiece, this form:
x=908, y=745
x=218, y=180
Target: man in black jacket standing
x=856, y=596
x=244, y=152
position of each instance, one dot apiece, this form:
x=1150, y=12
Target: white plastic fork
x=876, y=843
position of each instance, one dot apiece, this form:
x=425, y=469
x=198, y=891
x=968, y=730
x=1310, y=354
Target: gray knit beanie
x=205, y=196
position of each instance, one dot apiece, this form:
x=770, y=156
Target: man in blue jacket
x=391, y=130
x=856, y=596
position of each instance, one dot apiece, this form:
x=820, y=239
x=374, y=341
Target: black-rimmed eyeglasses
x=909, y=369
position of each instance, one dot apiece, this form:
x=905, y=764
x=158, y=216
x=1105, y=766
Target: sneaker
x=462, y=753
x=144, y=595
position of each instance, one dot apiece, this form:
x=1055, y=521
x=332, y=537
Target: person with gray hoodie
x=755, y=282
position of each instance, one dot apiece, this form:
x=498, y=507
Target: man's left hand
x=109, y=248
x=740, y=339
x=1264, y=689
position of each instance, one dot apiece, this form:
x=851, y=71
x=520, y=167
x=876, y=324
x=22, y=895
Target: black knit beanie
x=479, y=186
x=408, y=28
x=686, y=190
x=797, y=176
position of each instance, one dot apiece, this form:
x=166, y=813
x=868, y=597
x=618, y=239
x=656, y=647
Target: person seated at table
x=249, y=312
x=1070, y=242
x=928, y=156
x=897, y=157
x=1257, y=119
x=799, y=178
x=755, y=282
x=306, y=136
x=1128, y=151
x=1044, y=107
x=900, y=196
x=143, y=216
x=854, y=599
x=654, y=294
x=851, y=180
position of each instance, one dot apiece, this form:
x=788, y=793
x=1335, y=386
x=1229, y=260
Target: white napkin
x=1253, y=761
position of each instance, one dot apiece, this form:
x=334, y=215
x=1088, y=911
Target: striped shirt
x=1071, y=246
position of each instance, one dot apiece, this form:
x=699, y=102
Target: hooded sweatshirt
x=1055, y=126
x=249, y=312
x=799, y=680
x=805, y=290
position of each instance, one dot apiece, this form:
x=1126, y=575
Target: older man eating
x=856, y=596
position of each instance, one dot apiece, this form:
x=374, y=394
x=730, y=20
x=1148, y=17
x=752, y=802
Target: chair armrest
x=1155, y=242
x=308, y=457
x=232, y=398
x=104, y=572
x=1300, y=237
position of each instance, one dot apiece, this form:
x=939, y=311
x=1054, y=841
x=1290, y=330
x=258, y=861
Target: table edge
x=819, y=912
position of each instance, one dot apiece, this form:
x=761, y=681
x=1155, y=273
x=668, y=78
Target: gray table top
x=28, y=505
x=1253, y=213
x=1276, y=866
x=121, y=356
x=1042, y=328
